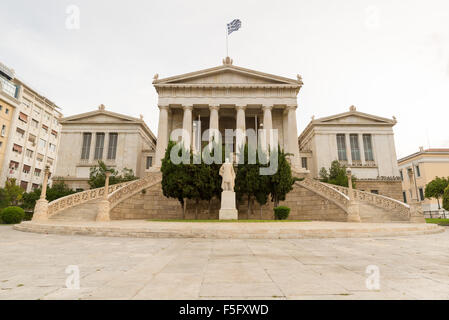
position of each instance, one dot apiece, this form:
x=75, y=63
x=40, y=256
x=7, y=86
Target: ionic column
x=267, y=125
x=292, y=139
x=162, y=135
x=214, y=128
x=187, y=126
x=240, y=128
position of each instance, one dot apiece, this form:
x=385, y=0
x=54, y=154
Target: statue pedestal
x=228, y=210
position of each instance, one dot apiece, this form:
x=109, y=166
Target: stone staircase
x=371, y=214
x=83, y=212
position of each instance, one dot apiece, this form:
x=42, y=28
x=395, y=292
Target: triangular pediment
x=354, y=118
x=100, y=116
x=227, y=74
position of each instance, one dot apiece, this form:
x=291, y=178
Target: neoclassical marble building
x=228, y=97
x=120, y=141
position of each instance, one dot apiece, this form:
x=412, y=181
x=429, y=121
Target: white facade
x=371, y=154
x=33, y=139
x=228, y=97
x=118, y=140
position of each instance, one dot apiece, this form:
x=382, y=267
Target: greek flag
x=234, y=26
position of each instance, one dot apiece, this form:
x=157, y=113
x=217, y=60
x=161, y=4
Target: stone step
x=83, y=212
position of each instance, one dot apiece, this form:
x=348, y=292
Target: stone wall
x=151, y=204
x=389, y=188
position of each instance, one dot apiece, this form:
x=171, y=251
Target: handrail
x=123, y=193
x=377, y=200
x=336, y=196
x=80, y=198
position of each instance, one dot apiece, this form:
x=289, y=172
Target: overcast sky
x=385, y=57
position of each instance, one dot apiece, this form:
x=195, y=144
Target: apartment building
x=33, y=136
x=418, y=169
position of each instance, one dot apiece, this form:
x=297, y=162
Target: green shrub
x=446, y=198
x=281, y=212
x=28, y=216
x=12, y=215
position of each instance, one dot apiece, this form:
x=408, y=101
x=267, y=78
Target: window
x=26, y=169
x=355, y=150
x=13, y=165
x=20, y=133
x=24, y=185
x=421, y=194
x=404, y=196
x=85, y=150
x=16, y=148
x=37, y=112
x=23, y=117
x=37, y=172
x=1, y=107
x=149, y=162
x=99, y=146
x=47, y=115
x=341, y=147
x=375, y=191
x=42, y=143
x=368, y=147
x=49, y=161
x=7, y=111
x=32, y=139
x=402, y=175
x=34, y=186
x=29, y=153
x=26, y=102
x=54, y=134
x=52, y=147
x=45, y=128
x=35, y=123
x=112, y=148
x=3, y=130
x=40, y=157
x=418, y=172
x=304, y=162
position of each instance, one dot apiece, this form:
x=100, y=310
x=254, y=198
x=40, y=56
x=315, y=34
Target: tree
x=435, y=189
x=58, y=190
x=281, y=183
x=13, y=193
x=249, y=182
x=176, y=182
x=337, y=175
x=446, y=198
x=97, y=175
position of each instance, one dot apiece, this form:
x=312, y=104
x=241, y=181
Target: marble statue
x=228, y=175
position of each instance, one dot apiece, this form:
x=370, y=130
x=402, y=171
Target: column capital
x=214, y=107
x=267, y=107
x=292, y=107
x=187, y=107
x=163, y=107
x=240, y=107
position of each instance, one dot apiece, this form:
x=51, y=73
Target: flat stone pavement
x=33, y=266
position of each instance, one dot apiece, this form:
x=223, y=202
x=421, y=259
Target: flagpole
x=227, y=39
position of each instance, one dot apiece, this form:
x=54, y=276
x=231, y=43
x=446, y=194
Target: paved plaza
x=33, y=266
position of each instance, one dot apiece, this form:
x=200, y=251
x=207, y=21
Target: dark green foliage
x=281, y=183
x=249, y=182
x=281, y=212
x=12, y=215
x=58, y=190
x=97, y=175
x=12, y=193
x=446, y=198
x=435, y=189
x=336, y=175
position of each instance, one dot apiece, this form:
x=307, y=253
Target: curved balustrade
x=377, y=200
x=121, y=194
x=81, y=197
x=334, y=195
